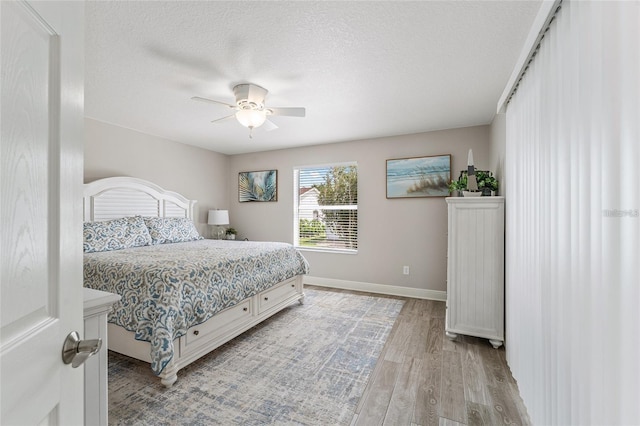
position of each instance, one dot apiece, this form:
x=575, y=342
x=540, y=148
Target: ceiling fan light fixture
x=250, y=109
x=251, y=118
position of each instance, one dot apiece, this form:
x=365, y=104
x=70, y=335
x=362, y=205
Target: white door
x=41, y=139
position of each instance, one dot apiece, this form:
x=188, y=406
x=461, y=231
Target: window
x=326, y=207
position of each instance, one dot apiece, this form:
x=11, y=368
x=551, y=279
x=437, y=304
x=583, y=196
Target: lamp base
x=219, y=232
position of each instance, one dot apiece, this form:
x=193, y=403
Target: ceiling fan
x=250, y=110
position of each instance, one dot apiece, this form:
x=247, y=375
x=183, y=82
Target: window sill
x=326, y=250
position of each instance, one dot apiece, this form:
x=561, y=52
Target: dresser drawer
x=271, y=297
x=222, y=323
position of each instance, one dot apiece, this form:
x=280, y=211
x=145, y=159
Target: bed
x=181, y=295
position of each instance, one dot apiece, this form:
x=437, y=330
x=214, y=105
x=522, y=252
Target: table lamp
x=218, y=218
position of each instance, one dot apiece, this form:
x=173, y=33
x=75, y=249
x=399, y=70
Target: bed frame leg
x=169, y=375
x=301, y=299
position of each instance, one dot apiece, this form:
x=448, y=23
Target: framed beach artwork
x=258, y=186
x=419, y=177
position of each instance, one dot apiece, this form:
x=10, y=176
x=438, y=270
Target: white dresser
x=475, y=268
x=96, y=306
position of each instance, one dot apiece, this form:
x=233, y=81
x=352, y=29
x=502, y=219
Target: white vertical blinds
x=572, y=223
x=326, y=207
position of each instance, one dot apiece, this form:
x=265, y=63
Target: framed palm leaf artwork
x=258, y=186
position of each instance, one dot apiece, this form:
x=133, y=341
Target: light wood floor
x=423, y=378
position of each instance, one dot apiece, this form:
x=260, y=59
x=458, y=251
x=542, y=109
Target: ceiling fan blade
x=290, y=111
x=268, y=126
x=211, y=101
x=223, y=118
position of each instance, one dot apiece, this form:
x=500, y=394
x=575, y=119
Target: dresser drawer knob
x=196, y=332
x=293, y=285
x=245, y=309
x=266, y=298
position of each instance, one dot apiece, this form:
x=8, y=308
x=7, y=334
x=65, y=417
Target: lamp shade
x=218, y=217
x=251, y=118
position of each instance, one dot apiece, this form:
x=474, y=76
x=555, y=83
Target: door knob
x=76, y=351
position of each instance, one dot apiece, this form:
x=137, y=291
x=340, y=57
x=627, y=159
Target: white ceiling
x=362, y=69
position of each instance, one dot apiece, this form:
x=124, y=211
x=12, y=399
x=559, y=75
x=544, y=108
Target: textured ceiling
x=362, y=69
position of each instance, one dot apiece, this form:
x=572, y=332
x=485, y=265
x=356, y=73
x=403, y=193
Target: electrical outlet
x=405, y=270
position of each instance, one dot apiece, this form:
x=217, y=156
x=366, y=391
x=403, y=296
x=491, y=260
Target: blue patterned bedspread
x=168, y=288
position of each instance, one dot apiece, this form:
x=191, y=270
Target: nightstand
x=97, y=305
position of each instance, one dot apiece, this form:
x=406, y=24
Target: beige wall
x=392, y=233
x=193, y=172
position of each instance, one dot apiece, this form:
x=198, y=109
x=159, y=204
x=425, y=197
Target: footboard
x=224, y=326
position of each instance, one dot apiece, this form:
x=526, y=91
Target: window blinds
x=572, y=223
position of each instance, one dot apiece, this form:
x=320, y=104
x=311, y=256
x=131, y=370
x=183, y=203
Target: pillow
x=115, y=234
x=138, y=233
x=165, y=230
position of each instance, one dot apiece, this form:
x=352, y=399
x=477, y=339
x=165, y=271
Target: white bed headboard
x=116, y=197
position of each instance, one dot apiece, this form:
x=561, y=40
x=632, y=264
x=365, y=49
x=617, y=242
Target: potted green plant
x=456, y=187
x=487, y=183
x=231, y=233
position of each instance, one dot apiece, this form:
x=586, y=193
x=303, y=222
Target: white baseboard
x=416, y=293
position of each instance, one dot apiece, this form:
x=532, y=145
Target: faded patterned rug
x=308, y=365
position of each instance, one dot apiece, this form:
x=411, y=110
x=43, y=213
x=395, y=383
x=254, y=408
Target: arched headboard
x=116, y=197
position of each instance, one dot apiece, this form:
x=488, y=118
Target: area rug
x=307, y=365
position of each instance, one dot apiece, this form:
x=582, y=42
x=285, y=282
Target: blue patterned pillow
x=115, y=234
x=165, y=230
